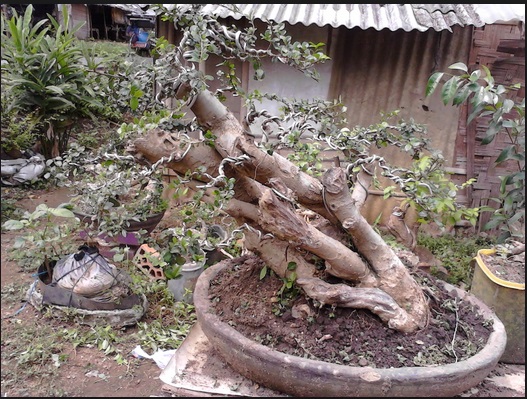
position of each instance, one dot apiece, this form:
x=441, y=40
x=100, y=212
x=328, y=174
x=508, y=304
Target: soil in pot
x=304, y=350
x=506, y=268
x=342, y=335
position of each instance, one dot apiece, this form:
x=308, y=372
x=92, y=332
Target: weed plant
x=455, y=254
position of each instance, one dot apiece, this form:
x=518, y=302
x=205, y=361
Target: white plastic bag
x=86, y=273
x=16, y=171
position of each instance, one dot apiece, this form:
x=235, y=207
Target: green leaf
x=474, y=76
x=488, y=78
x=461, y=96
x=495, y=222
x=449, y=89
x=433, y=82
x=62, y=212
x=13, y=225
x=55, y=89
x=504, y=155
x=263, y=272
x=492, y=130
x=134, y=103
x=459, y=66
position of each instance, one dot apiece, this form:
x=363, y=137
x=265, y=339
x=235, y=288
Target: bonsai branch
x=373, y=299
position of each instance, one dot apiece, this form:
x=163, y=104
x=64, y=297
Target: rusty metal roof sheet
x=420, y=17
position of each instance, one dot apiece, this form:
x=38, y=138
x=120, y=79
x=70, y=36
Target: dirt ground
x=87, y=372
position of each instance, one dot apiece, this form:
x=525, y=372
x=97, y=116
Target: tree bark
x=269, y=189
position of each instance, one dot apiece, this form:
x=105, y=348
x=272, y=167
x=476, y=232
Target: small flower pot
x=182, y=287
x=507, y=299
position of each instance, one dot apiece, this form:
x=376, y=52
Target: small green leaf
x=62, y=212
x=134, y=103
x=459, y=66
x=263, y=272
x=118, y=257
x=449, y=89
x=13, y=225
x=504, y=155
x=461, y=96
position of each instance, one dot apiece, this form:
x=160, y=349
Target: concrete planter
x=298, y=376
x=507, y=299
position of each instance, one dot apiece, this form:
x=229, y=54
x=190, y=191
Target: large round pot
x=298, y=376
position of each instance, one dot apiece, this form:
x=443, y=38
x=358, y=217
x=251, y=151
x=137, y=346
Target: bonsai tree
x=117, y=199
x=296, y=216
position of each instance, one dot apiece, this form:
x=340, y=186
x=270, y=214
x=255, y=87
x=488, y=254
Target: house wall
x=500, y=47
x=79, y=14
x=382, y=71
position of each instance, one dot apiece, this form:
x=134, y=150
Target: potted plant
x=44, y=240
x=303, y=222
x=499, y=278
x=284, y=359
x=73, y=276
x=117, y=199
x=184, y=259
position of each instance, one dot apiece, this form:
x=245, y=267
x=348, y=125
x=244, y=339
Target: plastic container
x=182, y=287
x=142, y=37
x=507, y=299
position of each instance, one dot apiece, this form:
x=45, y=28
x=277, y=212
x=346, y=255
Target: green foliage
x=426, y=185
x=455, y=254
x=42, y=70
x=288, y=291
x=9, y=209
x=50, y=79
x=202, y=37
x=43, y=239
x=161, y=334
x=169, y=322
x=506, y=117
x=179, y=246
x=17, y=129
x=111, y=189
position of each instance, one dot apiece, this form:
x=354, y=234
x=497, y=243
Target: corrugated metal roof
x=408, y=17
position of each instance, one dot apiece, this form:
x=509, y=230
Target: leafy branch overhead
x=505, y=117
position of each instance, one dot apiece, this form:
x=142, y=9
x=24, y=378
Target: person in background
x=132, y=31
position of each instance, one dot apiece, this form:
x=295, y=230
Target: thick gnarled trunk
x=267, y=189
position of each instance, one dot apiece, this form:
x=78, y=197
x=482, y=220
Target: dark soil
x=353, y=337
x=509, y=268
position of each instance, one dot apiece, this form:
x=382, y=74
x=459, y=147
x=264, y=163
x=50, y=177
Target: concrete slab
x=196, y=370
